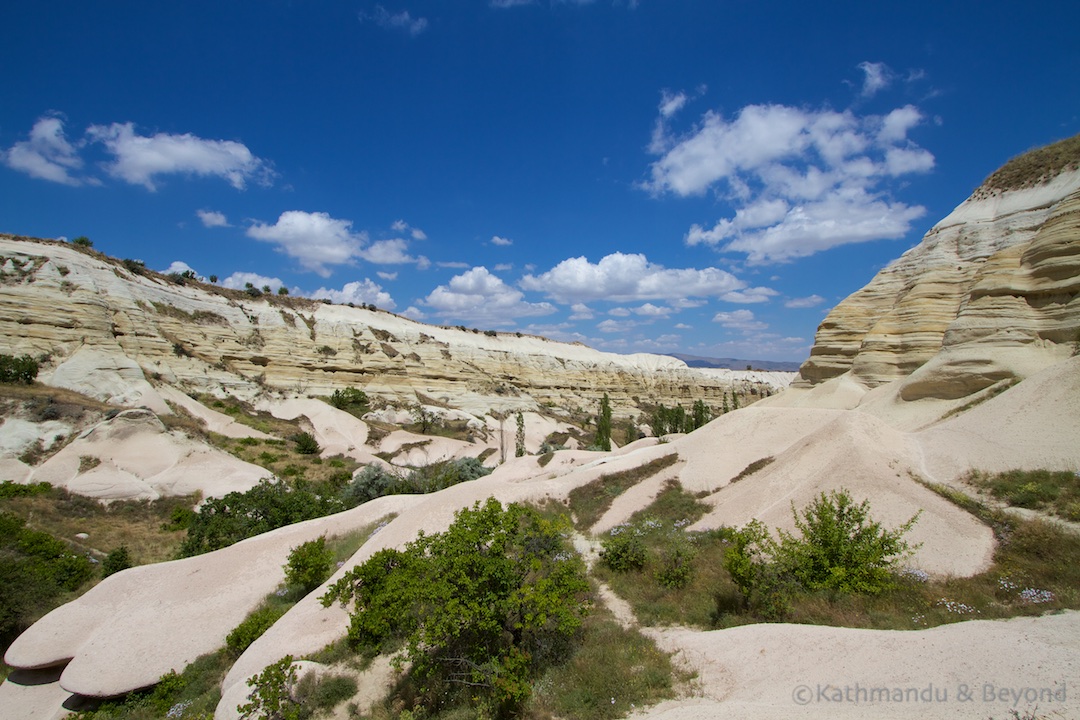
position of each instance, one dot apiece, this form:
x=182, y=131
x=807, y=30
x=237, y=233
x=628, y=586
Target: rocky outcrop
x=989, y=295
x=117, y=319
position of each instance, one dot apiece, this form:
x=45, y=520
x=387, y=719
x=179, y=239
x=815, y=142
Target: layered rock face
x=990, y=294
x=74, y=305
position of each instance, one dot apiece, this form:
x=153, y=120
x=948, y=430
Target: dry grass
x=1035, y=167
x=591, y=501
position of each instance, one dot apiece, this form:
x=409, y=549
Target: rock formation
x=989, y=295
x=100, y=318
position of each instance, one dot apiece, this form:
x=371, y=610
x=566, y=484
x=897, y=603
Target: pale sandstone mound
x=336, y=431
x=141, y=623
x=761, y=672
x=132, y=455
x=874, y=462
x=108, y=376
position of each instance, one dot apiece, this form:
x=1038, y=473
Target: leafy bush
x=624, y=552
x=251, y=628
x=376, y=480
x=37, y=569
x=306, y=444
x=676, y=570
x=273, y=696
x=840, y=550
x=481, y=609
x=309, y=564
x=117, y=560
x=267, y=506
x=82, y=242
x=22, y=369
x=10, y=489
x=349, y=397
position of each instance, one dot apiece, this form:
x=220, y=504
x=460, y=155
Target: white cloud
x=804, y=302
x=619, y=312
x=801, y=181
x=479, y=296
x=387, y=252
x=47, y=155
x=671, y=103
x=453, y=264
x=396, y=21
x=501, y=241
x=212, y=218
x=504, y=267
x=402, y=226
x=239, y=281
x=388, y=276
x=749, y=295
x=357, y=292
x=876, y=76
x=653, y=311
x=616, y=326
x=178, y=266
x=739, y=320
x=139, y=158
x=621, y=277
x=683, y=326
x=581, y=311
x=413, y=313
x=314, y=239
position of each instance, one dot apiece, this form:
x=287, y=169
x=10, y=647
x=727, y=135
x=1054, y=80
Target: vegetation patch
x=479, y=612
x=1035, y=166
x=753, y=468
x=589, y=502
x=1053, y=492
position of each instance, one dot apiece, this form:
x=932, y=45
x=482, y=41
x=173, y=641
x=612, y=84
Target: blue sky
x=703, y=177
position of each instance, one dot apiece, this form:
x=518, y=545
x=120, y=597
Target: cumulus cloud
x=804, y=302
x=239, y=281
x=212, y=218
x=403, y=20
x=388, y=276
x=739, y=320
x=357, y=292
x=404, y=227
x=47, y=154
x=479, y=296
x=800, y=180
x=140, y=158
x=314, y=239
x=621, y=277
x=501, y=241
x=581, y=311
x=671, y=103
x=179, y=266
x=388, y=252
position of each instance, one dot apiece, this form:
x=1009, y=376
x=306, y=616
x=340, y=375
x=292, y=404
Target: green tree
x=700, y=415
x=309, y=564
x=273, y=695
x=481, y=609
x=306, y=444
x=82, y=242
x=22, y=369
x=117, y=560
x=603, y=424
x=519, y=444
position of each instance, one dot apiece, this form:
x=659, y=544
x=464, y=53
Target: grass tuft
x=591, y=501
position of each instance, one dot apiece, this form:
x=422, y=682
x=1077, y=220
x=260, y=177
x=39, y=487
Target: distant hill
x=736, y=364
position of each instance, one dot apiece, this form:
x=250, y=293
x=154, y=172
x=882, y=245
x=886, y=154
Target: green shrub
x=82, y=242
x=481, y=609
x=306, y=444
x=251, y=628
x=309, y=565
x=624, y=552
x=267, y=506
x=676, y=569
x=117, y=560
x=22, y=369
x=349, y=397
x=36, y=569
x=272, y=696
x=840, y=550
